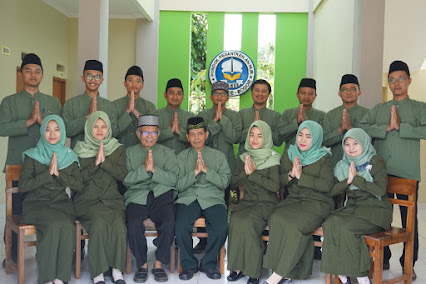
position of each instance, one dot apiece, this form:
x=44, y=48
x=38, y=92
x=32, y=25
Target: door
x=59, y=89
x=19, y=82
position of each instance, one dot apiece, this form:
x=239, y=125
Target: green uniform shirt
x=289, y=131
x=206, y=188
x=400, y=149
x=169, y=139
x=139, y=182
x=127, y=122
x=15, y=110
x=223, y=133
x=75, y=111
x=271, y=117
x=331, y=125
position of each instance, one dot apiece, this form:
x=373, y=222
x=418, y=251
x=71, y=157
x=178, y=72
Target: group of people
x=129, y=162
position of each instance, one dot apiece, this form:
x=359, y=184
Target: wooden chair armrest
x=12, y=190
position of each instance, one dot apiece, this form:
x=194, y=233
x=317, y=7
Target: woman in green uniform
x=259, y=172
x=48, y=169
x=308, y=175
x=100, y=207
x=362, y=175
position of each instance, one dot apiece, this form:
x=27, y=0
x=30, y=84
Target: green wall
x=174, y=52
x=290, y=58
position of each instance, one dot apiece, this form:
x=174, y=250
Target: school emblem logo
x=235, y=68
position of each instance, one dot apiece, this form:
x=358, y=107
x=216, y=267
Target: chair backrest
x=12, y=174
x=406, y=187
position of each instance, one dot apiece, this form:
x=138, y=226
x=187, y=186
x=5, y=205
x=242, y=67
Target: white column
x=93, y=38
x=367, y=60
x=310, y=47
x=147, y=34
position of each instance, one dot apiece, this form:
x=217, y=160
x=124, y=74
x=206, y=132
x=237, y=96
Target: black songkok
x=31, y=58
x=308, y=82
x=175, y=82
x=93, y=65
x=196, y=123
x=399, y=66
x=134, y=70
x=349, y=79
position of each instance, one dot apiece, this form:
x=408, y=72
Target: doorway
x=59, y=89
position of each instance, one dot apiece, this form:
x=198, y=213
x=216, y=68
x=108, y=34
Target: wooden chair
x=150, y=231
x=201, y=223
x=13, y=224
x=80, y=234
x=376, y=242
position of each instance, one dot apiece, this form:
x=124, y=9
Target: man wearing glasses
x=224, y=125
x=152, y=175
x=78, y=109
x=397, y=127
x=347, y=116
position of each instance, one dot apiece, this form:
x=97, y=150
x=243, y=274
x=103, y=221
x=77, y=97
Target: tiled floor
x=317, y=276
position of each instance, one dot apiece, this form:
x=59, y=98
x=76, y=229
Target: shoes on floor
x=211, y=273
x=159, y=275
x=141, y=275
x=234, y=276
x=187, y=274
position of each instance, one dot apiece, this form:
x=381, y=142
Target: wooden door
x=59, y=89
x=19, y=82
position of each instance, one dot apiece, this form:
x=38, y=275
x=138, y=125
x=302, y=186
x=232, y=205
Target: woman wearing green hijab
x=306, y=171
x=362, y=175
x=100, y=207
x=258, y=172
x=47, y=170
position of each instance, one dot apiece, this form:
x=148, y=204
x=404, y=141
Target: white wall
x=265, y=6
x=333, y=46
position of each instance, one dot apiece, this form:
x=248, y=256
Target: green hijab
x=43, y=152
x=265, y=156
x=341, y=170
x=90, y=146
x=316, y=151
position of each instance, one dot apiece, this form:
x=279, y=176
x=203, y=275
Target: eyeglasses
x=221, y=94
x=399, y=79
x=146, y=133
x=351, y=90
x=91, y=76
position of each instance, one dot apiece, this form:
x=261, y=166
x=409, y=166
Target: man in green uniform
x=224, y=125
x=131, y=106
x=78, y=109
x=152, y=175
x=306, y=94
x=173, y=119
x=203, y=174
x=260, y=91
x=21, y=115
x=343, y=118
x=397, y=127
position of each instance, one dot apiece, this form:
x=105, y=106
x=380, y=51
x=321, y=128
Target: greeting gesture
x=93, y=107
x=395, y=120
x=131, y=104
x=35, y=115
x=301, y=116
x=219, y=113
x=297, y=168
x=175, y=124
x=352, y=173
x=345, y=122
x=249, y=165
x=100, y=156
x=149, y=162
x=200, y=165
x=256, y=116
x=53, y=167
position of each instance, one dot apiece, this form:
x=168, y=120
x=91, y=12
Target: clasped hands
x=200, y=165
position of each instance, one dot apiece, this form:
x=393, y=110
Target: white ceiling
x=122, y=9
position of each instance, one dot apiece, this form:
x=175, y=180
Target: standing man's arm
x=8, y=127
x=290, y=126
x=406, y=130
x=231, y=127
x=74, y=123
x=332, y=135
x=368, y=123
